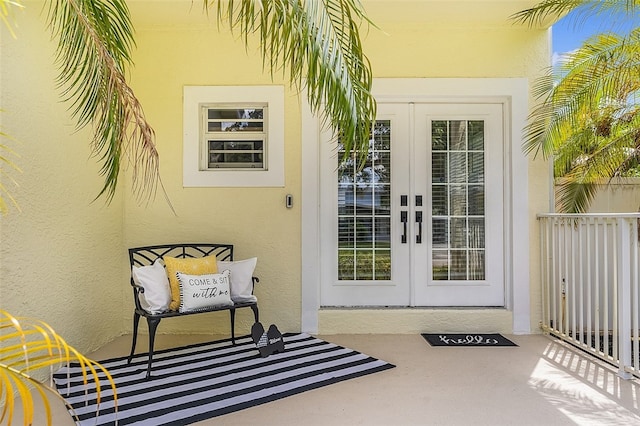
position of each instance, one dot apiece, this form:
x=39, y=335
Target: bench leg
x=254, y=308
x=136, y=321
x=153, y=325
x=232, y=313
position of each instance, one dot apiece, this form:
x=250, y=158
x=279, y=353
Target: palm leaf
x=318, y=44
x=553, y=9
x=27, y=346
x=587, y=115
x=95, y=38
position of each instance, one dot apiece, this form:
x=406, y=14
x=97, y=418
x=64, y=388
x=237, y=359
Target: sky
x=571, y=31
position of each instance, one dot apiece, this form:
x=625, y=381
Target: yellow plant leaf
x=28, y=345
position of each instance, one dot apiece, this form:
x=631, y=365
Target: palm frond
x=574, y=196
x=318, y=43
x=601, y=75
x=26, y=346
x=554, y=9
x=587, y=115
x=95, y=38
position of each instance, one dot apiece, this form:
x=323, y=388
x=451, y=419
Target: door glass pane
x=365, y=264
x=439, y=167
x=364, y=232
x=439, y=200
x=457, y=135
x=439, y=135
x=382, y=205
x=458, y=167
x=458, y=197
x=458, y=270
x=345, y=199
x=476, y=265
x=476, y=233
x=476, y=135
x=458, y=232
x=383, y=265
x=346, y=264
x=440, y=233
x=476, y=167
x=476, y=200
x=345, y=232
x=364, y=199
x=364, y=211
x=458, y=200
x=383, y=232
x=440, y=261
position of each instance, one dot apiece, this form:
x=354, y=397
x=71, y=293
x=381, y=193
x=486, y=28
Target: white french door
x=420, y=223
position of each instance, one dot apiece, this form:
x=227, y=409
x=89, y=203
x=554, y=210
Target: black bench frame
x=144, y=256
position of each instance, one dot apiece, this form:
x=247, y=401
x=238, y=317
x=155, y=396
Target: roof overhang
x=489, y=13
x=453, y=13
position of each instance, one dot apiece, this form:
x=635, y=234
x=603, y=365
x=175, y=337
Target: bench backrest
x=144, y=256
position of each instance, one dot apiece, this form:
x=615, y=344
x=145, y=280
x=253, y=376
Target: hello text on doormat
x=467, y=339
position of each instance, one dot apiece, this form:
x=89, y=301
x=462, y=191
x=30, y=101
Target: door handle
x=419, y=222
x=404, y=219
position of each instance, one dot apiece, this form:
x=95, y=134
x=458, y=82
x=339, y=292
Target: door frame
x=512, y=93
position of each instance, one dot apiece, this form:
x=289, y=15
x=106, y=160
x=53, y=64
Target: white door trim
x=513, y=93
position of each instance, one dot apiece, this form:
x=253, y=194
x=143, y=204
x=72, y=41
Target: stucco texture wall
x=620, y=196
x=64, y=258
x=61, y=256
x=254, y=220
x=184, y=48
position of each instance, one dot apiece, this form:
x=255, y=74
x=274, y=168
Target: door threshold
x=355, y=308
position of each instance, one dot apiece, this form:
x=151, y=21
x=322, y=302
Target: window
x=458, y=194
x=233, y=136
x=364, y=211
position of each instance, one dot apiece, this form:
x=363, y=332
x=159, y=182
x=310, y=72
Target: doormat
x=197, y=382
x=465, y=339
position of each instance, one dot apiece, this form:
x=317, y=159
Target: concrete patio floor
x=540, y=382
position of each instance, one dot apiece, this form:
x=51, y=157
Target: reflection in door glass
x=458, y=194
x=364, y=211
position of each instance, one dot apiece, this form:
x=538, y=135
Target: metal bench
x=144, y=256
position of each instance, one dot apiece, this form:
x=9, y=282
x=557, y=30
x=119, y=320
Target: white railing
x=591, y=285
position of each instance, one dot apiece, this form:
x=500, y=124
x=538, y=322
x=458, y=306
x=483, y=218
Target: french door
x=420, y=222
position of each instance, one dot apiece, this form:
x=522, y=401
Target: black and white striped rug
x=198, y=382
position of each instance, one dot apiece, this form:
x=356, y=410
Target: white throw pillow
x=241, y=278
x=157, y=294
x=201, y=292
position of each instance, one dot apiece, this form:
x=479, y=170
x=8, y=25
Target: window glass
x=364, y=211
x=236, y=137
x=233, y=136
x=458, y=200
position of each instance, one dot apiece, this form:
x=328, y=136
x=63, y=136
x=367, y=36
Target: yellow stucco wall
x=620, y=196
x=255, y=220
x=79, y=247
x=60, y=258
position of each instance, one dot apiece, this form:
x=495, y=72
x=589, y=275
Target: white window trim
x=194, y=97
